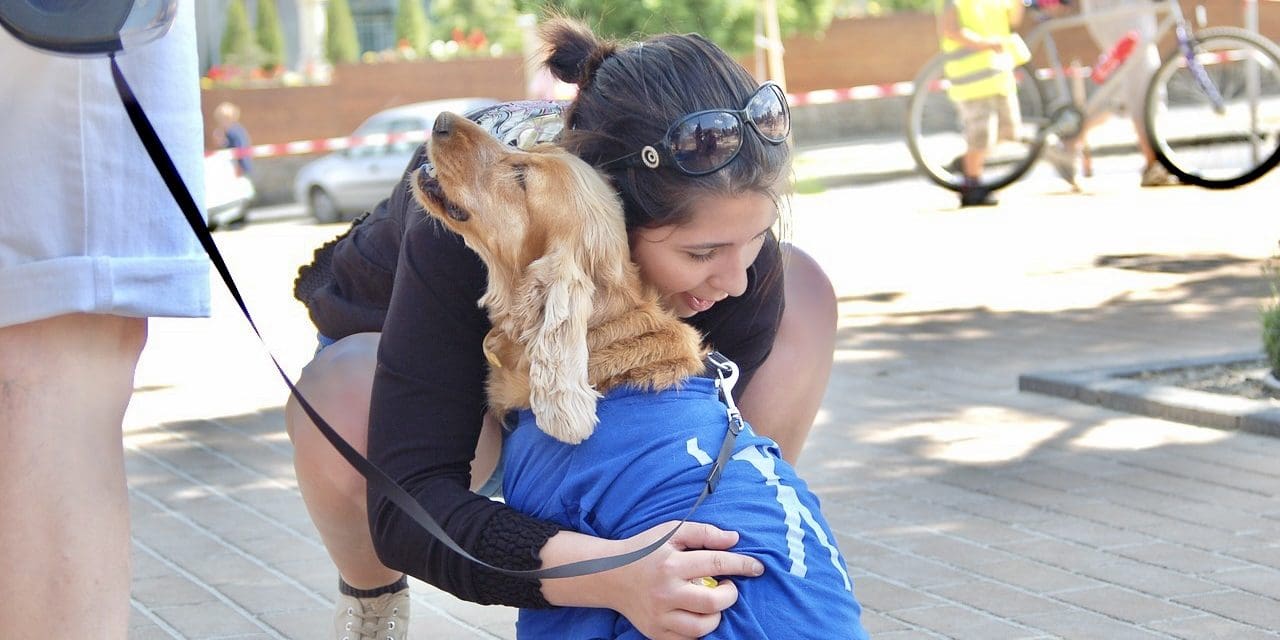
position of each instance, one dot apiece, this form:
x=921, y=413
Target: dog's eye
x=517, y=172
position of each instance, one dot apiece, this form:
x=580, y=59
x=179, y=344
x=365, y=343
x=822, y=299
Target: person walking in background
x=230, y=134
x=1136, y=76
x=982, y=85
x=91, y=244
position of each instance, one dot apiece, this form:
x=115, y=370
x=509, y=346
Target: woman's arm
x=424, y=421
x=787, y=390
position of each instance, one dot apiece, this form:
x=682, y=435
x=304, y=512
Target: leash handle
x=375, y=476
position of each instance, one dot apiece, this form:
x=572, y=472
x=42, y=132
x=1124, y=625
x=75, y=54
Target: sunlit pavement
x=965, y=509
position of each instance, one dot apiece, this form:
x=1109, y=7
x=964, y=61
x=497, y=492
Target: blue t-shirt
x=237, y=137
x=645, y=465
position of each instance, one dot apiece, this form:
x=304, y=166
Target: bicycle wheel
x=935, y=134
x=1211, y=142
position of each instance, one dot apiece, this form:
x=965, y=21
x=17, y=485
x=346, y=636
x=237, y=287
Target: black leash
x=726, y=376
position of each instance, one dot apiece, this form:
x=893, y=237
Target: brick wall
x=283, y=114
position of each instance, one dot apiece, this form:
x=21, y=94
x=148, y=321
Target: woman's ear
x=556, y=293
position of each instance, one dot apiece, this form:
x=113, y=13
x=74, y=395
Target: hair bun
x=573, y=51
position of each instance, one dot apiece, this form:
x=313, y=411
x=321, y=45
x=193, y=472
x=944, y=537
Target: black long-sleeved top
x=428, y=392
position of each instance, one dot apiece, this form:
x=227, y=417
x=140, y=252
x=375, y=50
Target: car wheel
x=323, y=208
x=241, y=218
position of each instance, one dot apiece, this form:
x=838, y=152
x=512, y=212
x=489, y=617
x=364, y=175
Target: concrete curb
x=1111, y=387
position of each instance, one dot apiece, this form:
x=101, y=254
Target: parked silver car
x=345, y=183
x=227, y=192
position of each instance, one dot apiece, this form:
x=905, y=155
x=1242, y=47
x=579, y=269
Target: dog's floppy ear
x=556, y=292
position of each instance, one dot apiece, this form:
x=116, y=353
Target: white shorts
x=1131, y=97
x=86, y=222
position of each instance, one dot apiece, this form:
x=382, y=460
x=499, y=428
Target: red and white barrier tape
x=863, y=92
x=321, y=145
x=823, y=96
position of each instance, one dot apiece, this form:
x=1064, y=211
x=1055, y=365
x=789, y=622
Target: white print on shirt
x=691, y=445
x=794, y=511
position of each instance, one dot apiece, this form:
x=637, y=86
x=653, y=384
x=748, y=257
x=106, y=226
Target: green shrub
x=411, y=26
x=238, y=47
x=341, y=44
x=1271, y=315
x=270, y=36
x=1271, y=337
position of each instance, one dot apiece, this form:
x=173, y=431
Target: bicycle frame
x=1186, y=79
x=1169, y=14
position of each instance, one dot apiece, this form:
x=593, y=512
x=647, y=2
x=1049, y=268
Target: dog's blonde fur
x=571, y=316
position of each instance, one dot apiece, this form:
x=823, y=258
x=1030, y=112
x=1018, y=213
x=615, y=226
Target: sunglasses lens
x=768, y=111
x=705, y=142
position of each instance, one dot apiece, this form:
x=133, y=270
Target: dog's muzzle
x=430, y=187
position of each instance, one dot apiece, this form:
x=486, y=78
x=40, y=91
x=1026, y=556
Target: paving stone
x=1180, y=558
x=1089, y=532
x=953, y=551
x=1212, y=628
x=1034, y=576
x=999, y=600
x=209, y=619
x=876, y=594
x=1248, y=608
x=959, y=622
x=914, y=571
x=1076, y=623
x=1268, y=555
x=1124, y=604
x=1262, y=581
x=1151, y=580
x=880, y=626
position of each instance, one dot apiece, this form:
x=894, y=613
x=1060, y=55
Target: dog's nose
x=443, y=125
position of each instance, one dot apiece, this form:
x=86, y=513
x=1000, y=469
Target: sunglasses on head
x=705, y=141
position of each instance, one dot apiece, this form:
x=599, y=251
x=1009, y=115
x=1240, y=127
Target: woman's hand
x=660, y=594
x=667, y=599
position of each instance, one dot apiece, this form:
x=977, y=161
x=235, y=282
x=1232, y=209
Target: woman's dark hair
x=628, y=96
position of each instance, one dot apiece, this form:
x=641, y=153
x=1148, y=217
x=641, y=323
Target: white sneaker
x=385, y=617
x=1155, y=175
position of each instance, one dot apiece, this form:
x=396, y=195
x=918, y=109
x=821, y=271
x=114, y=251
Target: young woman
x=701, y=192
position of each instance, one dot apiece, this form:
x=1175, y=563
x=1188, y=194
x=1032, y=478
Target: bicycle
x=1212, y=109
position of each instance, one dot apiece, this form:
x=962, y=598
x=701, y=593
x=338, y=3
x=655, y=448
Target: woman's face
x=699, y=263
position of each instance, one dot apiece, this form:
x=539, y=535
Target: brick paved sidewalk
x=965, y=509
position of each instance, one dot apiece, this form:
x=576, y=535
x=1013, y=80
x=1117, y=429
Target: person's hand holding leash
x=667, y=599
x=661, y=594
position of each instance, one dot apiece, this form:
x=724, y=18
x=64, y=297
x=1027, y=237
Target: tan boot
x=385, y=617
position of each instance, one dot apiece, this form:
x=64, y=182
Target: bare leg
x=973, y=161
x=338, y=384
x=65, y=539
x=787, y=390
x=1144, y=145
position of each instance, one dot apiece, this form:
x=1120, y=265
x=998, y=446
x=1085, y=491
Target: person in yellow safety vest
x=979, y=34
